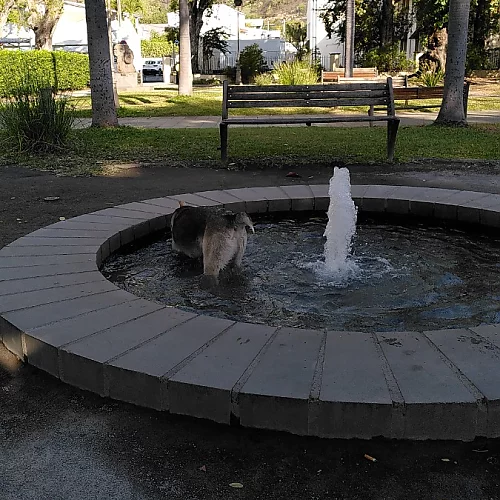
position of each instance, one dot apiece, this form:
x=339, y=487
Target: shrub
x=60, y=70
x=251, y=62
x=265, y=79
x=430, y=76
x=296, y=73
x=160, y=45
x=387, y=59
x=35, y=118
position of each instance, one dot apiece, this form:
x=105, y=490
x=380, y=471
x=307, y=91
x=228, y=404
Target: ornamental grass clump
x=430, y=76
x=296, y=73
x=35, y=118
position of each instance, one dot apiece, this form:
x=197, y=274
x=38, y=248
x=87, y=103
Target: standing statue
x=124, y=58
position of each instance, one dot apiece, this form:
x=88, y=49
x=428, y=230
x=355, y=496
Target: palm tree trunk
x=101, y=78
x=452, y=109
x=349, y=38
x=185, y=70
x=387, y=22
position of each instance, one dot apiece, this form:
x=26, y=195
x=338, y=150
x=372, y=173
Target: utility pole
x=349, y=38
x=237, y=4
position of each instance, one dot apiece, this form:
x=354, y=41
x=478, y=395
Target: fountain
x=341, y=225
x=390, y=380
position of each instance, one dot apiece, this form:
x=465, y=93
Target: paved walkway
x=417, y=118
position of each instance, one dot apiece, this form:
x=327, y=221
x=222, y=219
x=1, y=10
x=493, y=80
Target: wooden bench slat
x=309, y=103
x=243, y=89
x=278, y=96
x=289, y=119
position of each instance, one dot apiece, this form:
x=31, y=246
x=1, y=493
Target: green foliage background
x=60, y=70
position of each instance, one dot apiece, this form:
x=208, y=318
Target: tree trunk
x=386, y=30
x=44, y=24
x=349, y=38
x=196, y=10
x=185, y=69
x=101, y=78
x=5, y=8
x=452, y=108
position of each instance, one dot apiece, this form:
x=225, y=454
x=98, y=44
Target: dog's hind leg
x=240, y=250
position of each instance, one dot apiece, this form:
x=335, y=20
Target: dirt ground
x=57, y=442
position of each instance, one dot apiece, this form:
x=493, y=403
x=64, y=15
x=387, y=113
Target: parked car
x=152, y=67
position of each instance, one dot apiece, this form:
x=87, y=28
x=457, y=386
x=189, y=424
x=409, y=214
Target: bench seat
x=291, y=119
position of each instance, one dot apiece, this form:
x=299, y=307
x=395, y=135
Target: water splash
x=341, y=227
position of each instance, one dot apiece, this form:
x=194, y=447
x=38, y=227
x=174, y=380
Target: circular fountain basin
x=60, y=314
x=398, y=277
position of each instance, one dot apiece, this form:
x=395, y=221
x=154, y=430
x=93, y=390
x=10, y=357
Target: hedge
x=59, y=69
x=156, y=48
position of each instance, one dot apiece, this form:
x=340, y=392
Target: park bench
x=309, y=96
x=334, y=75
x=416, y=93
x=397, y=81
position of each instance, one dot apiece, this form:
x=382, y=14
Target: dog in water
x=218, y=236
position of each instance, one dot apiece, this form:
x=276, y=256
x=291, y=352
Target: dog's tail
x=244, y=220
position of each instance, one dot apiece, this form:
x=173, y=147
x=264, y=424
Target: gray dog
x=218, y=236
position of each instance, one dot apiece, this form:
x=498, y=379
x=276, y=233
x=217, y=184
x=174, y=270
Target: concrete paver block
x=321, y=197
x=45, y=260
x=123, y=213
x=276, y=395
x=45, y=282
x=432, y=392
x=34, y=251
x=79, y=358
x=278, y=200
x=147, y=208
x=302, y=197
x=224, y=198
x=195, y=200
x=23, y=300
x=41, y=344
x=160, y=358
x=50, y=313
x=354, y=399
x=203, y=387
x=163, y=202
x=478, y=360
x=16, y=273
x=254, y=203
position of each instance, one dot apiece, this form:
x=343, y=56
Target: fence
x=494, y=58
x=219, y=63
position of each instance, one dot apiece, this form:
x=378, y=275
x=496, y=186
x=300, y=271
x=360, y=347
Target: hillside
x=273, y=9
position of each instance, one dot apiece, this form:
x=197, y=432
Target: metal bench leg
x=223, y=142
x=392, y=130
x=371, y=112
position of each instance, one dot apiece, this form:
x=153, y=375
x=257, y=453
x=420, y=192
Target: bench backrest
x=409, y=93
x=333, y=76
x=308, y=96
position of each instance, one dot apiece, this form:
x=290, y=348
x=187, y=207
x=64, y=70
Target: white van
x=152, y=66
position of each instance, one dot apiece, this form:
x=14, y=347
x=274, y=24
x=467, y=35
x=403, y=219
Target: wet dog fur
x=218, y=236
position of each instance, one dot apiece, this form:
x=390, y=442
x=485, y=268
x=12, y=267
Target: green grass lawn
x=208, y=102
x=92, y=151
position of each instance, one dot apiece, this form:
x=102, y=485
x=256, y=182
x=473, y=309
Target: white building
x=331, y=51
x=241, y=33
